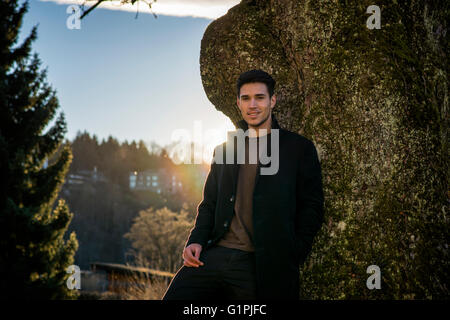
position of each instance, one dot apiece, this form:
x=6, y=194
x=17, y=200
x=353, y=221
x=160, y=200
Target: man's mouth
x=253, y=115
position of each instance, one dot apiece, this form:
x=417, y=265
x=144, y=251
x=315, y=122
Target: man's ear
x=273, y=101
x=238, y=102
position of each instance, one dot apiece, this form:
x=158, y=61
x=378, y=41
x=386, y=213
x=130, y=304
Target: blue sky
x=130, y=78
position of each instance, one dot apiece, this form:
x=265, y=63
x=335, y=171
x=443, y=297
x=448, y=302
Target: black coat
x=287, y=212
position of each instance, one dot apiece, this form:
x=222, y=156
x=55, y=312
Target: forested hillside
x=104, y=208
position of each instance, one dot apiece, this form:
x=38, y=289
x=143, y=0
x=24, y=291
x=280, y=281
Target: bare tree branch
x=86, y=12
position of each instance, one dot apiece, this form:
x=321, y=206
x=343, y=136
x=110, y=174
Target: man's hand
x=191, y=254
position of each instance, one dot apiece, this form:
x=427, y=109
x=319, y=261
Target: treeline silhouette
x=116, y=160
x=104, y=208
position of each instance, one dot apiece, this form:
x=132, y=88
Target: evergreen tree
x=33, y=252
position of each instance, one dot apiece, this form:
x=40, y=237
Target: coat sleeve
x=204, y=222
x=310, y=200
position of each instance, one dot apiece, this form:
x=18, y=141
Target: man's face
x=255, y=104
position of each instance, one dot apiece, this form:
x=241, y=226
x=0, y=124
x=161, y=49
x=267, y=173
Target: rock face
x=245, y=39
x=375, y=103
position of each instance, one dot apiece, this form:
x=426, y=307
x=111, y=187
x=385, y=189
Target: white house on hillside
x=157, y=180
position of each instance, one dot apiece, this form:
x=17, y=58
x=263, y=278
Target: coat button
x=232, y=198
x=225, y=224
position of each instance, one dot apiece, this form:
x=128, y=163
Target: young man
x=253, y=230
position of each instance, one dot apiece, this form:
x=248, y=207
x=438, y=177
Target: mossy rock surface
x=375, y=103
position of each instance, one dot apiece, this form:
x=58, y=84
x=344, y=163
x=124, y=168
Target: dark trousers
x=226, y=274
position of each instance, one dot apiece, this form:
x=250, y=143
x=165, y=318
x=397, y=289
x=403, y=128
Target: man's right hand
x=191, y=255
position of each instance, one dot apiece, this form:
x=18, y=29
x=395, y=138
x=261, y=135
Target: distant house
x=82, y=176
x=157, y=180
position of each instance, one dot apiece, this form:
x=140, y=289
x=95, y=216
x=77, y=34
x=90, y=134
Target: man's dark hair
x=256, y=76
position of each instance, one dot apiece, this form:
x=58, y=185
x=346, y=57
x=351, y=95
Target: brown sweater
x=240, y=233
